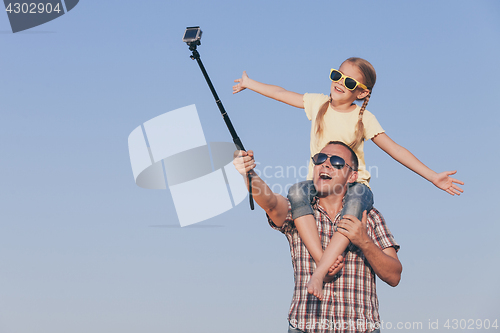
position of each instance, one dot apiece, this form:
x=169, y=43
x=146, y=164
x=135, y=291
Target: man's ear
x=353, y=177
x=363, y=94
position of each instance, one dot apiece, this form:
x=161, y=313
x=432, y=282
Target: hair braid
x=360, y=127
x=320, y=118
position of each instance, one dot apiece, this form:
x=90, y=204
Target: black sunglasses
x=336, y=161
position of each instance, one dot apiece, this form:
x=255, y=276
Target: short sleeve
x=287, y=226
x=382, y=236
x=312, y=103
x=372, y=126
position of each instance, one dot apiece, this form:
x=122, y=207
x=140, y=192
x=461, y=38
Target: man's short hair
x=354, y=157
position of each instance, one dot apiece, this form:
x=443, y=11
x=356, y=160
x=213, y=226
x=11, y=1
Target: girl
x=338, y=118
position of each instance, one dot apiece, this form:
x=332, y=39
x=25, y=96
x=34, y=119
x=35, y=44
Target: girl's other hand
x=241, y=83
x=447, y=183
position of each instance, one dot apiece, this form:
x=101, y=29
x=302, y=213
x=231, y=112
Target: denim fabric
x=300, y=196
x=358, y=198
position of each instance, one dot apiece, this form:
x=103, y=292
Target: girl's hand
x=242, y=83
x=447, y=183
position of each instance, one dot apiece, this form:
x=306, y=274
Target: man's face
x=329, y=180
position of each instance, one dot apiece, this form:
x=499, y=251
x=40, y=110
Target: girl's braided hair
x=370, y=77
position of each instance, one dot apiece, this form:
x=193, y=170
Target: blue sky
x=84, y=249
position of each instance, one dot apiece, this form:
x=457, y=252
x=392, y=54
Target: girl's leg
x=336, y=247
x=300, y=196
x=358, y=198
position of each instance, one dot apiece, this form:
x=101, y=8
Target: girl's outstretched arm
x=268, y=90
x=402, y=155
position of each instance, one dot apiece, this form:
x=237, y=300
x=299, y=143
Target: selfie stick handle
x=225, y=116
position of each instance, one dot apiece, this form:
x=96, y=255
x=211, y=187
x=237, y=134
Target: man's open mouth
x=324, y=175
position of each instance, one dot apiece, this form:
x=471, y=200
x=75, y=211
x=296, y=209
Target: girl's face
x=338, y=90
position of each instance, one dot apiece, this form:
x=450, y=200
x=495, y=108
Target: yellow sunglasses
x=349, y=82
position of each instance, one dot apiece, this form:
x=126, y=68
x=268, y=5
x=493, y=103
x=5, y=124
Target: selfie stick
x=236, y=139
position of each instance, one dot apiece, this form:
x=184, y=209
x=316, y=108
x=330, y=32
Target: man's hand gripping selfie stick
x=192, y=37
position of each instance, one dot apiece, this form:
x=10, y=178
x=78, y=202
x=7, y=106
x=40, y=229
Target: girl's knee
x=297, y=193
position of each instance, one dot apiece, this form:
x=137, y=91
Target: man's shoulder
x=376, y=219
x=380, y=232
x=375, y=215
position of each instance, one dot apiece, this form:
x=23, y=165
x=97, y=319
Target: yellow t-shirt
x=339, y=126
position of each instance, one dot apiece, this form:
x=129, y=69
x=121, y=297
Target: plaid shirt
x=350, y=301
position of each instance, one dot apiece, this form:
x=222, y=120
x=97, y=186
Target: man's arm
x=275, y=205
x=384, y=262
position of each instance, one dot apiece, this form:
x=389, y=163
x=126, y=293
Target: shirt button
x=334, y=294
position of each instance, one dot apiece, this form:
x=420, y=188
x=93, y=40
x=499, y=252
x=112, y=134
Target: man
x=349, y=302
